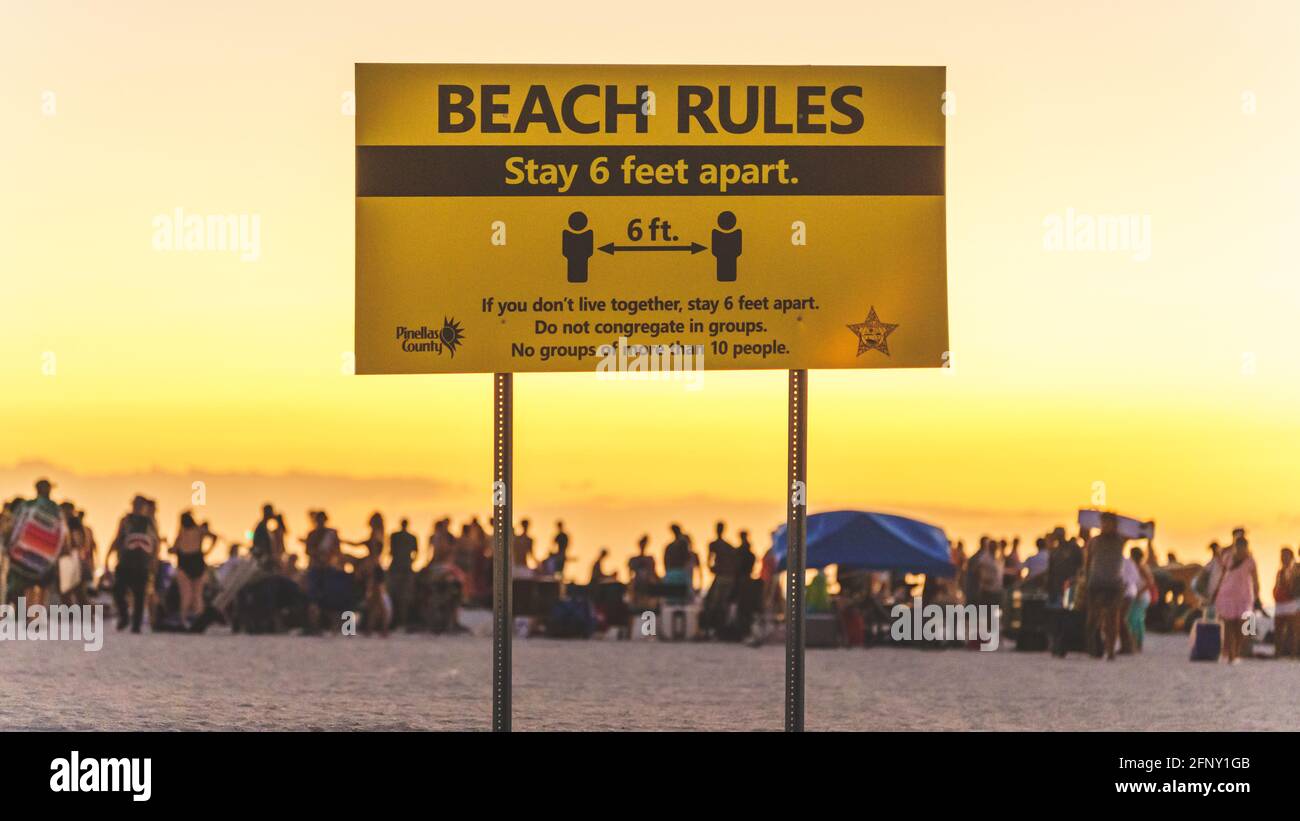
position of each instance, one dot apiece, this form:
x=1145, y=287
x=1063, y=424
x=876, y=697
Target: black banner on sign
x=651, y=170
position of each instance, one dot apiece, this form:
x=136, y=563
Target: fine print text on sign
x=542, y=218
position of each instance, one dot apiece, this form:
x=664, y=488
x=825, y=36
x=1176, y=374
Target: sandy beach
x=239, y=682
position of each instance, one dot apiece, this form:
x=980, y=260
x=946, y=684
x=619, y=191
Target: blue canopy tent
x=871, y=541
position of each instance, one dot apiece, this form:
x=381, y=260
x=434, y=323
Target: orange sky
x=1173, y=380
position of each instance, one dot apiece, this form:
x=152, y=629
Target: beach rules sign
x=516, y=218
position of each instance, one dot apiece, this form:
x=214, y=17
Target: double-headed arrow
x=610, y=248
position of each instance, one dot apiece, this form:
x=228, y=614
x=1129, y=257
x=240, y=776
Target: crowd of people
x=386, y=581
x=52, y=555
x=1117, y=586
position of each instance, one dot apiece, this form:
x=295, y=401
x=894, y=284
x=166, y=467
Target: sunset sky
x=1173, y=380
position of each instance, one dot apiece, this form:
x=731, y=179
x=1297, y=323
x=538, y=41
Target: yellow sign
x=602, y=218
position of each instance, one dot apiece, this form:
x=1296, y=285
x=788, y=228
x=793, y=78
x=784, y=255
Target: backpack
x=139, y=535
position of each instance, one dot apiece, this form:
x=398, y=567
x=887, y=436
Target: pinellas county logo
x=429, y=340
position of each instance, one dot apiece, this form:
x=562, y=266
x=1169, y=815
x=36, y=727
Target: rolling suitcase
x=1030, y=625
x=1066, y=632
x=1207, y=640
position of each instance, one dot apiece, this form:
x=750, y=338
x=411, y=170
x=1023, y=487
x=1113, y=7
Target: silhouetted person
x=641, y=567
x=441, y=542
x=522, y=545
x=722, y=561
x=322, y=544
x=268, y=542
x=136, y=545
x=677, y=570
x=556, y=560
x=190, y=547
x=561, y=542
x=643, y=576
x=726, y=246
x=745, y=560
x=402, y=547
x=598, y=573
x=1104, y=583
x=578, y=246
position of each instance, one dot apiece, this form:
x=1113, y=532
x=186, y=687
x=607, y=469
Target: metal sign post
x=502, y=531
x=796, y=558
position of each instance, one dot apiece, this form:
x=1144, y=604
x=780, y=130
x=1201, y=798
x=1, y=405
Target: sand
x=224, y=681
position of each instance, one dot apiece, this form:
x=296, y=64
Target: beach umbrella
x=871, y=541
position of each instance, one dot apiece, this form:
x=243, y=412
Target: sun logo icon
x=451, y=335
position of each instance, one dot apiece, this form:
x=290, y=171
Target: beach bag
x=571, y=619
x=1207, y=640
x=38, y=534
x=69, y=573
